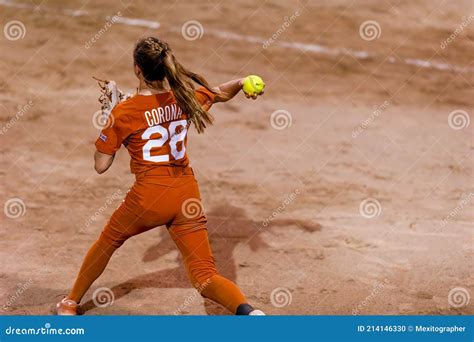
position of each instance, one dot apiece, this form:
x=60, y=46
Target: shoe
x=257, y=313
x=67, y=307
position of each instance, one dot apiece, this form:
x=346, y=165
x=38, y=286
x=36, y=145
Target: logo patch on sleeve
x=103, y=137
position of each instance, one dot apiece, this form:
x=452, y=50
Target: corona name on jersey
x=157, y=116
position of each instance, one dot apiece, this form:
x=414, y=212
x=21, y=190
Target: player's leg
x=200, y=265
x=92, y=267
x=120, y=227
x=191, y=237
x=127, y=221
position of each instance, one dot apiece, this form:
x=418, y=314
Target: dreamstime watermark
x=286, y=24
x=192, y=30
x=21, y=288
x=373, y=116
x=101, y=121
x=192, y=208
x=378, y=288
x=189, y=300
x=46, y=330
x=110, y=21
x=466, y=21
x=370, y=208
x=115, y=196
x=14, y=30
x=370, y=30
x=459, y=119
x=287, y=200
x=459, y=297
x=103, y=297
x=14, y=208
x=466, y=199
x=281, y=119
x=21, y=110
x=281, y=297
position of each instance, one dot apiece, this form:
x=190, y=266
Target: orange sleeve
x=204, y=97
x=111, y=138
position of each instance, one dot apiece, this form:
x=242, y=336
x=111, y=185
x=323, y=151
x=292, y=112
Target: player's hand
x=253, y=86
x=254, y=96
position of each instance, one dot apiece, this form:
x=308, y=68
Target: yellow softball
x=253, y=85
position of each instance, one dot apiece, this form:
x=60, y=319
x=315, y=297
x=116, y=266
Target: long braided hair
x=156, y=61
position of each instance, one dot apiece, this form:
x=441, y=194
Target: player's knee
x=112, y=239
x=201, y=273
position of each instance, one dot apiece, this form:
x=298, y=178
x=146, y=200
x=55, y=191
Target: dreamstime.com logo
x=101, y=121
x=189, y=300
x=286, y=201
x=281, y=119
x=192, y=30
x=110, y=21
x=286, y=24
x=465, y=23
x=378, y=288
x=21, y=110
x=281, y=297
x=103, y=297
x=370, y=208
x=459, y=297
x=370, y=30
x=14, y=208
x=459, y=119
x=192, y=208
x=108, y=202
x=378, y=110
x=14, y=30
x=463, y=203
x=20, y=290
x=46, y=330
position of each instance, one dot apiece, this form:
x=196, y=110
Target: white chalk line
x=312, y=48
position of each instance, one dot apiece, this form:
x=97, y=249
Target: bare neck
x=156, y=87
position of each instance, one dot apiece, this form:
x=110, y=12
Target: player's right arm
x=110, y=139
x=102, y=161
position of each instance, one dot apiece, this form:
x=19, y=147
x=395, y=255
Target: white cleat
x=67, y=307
x=257, y=313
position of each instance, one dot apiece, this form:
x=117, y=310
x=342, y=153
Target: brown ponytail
x=156, y=61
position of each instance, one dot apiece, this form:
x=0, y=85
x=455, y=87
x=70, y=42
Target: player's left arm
x=109, y=140
x=102, y=161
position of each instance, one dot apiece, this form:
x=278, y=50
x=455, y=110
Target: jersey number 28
x=164, y=138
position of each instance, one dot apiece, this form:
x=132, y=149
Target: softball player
x=153, y=126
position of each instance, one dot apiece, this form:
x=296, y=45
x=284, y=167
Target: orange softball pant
x=164, y=196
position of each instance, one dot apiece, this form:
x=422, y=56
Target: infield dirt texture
x=346, y=189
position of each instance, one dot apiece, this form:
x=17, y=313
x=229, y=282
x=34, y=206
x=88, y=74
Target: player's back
x=153, y=128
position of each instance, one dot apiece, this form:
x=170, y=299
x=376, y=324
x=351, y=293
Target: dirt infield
x=346, y=189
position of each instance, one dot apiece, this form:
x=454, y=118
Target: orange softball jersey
x=153, y=128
